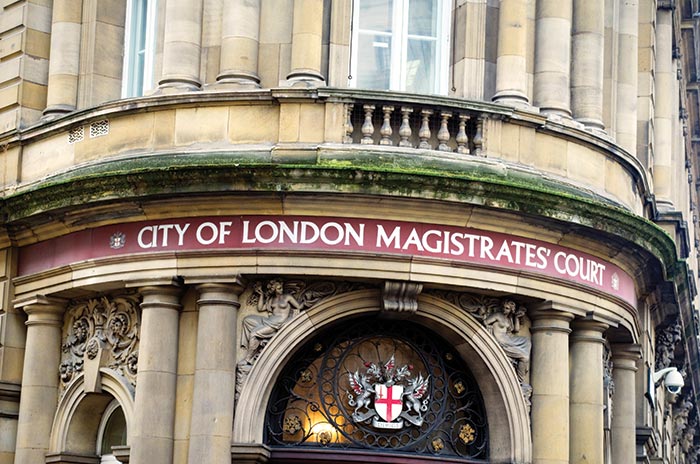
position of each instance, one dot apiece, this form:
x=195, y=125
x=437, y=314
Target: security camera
x=671, y=378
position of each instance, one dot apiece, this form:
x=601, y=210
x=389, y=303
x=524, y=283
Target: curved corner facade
x=253, y=231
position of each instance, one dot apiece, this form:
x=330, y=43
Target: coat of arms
x=388, y=396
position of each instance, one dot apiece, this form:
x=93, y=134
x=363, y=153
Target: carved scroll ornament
x=107, y=327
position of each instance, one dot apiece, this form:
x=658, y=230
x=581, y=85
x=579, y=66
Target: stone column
x=182, y=45
x=154, y=402
x=627, y=60
x=587, y=66
x=511, y=64
x=64, y=65
x=552, y=56
x=624, y=430
x=664, y=100
x=307, y=43
x=39, y=396
x=586, y=403
x=549, y=376
x=240, y=41
x=215, y=373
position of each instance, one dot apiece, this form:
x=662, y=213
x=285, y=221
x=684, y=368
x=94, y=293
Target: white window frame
x=399, y=44
x=148, y=50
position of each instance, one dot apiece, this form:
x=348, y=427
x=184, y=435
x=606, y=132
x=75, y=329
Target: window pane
x=374, y=61
x=376, y=15
x=115, y=431
x=420, y=66
x=422, y=17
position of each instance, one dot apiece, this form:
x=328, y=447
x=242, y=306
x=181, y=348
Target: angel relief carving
x=278, y=302
x=106, y=327
x=503, y=318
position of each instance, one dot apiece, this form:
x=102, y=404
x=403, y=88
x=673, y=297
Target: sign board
x=351, y=235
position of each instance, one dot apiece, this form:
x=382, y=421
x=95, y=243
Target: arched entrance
x=494, y=378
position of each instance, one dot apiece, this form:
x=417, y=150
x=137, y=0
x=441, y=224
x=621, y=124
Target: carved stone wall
x=101, y=332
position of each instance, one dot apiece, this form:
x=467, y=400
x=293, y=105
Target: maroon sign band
x=336, y=234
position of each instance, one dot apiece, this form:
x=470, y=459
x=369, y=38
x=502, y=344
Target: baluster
x=443, y=134
x=386, y=126
x=405, y=129
x=462, y=138
x=348, y=123
x=424, y=132
x=479, y=137
x=367, y=126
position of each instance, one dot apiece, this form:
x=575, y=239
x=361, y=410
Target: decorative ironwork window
x=383, y=385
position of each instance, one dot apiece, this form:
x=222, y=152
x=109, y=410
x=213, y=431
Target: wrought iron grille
x=315, y=405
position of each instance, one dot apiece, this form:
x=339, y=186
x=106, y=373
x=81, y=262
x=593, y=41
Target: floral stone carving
x=104, y=329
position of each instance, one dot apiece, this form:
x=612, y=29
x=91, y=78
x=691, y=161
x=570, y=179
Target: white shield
x=388, y=401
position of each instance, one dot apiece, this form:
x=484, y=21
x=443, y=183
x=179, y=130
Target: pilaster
x=511, y=64
x=240, y=43
x=586, y=389
x=549, y=377
x=64, y=65
x=552, y=57
x=154, y=402
x=625, y=358
x=39, y=397
x=215, y=372
x=182, y=46
x=627, y=76
x=307, y=43
x=587, y=65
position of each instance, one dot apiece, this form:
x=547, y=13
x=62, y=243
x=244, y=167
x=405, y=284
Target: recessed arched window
x=112, y=432
x=377, y=386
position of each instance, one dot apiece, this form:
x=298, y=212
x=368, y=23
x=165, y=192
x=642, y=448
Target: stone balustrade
x=414, y=126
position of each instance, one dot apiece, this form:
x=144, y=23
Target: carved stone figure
x=280, y=306
x=281, y=300
x=503, y=320
x=680, y=417
x=666, y=342
x=107, y=327
x=504, y=325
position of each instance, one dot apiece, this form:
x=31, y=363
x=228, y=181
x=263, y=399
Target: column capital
x=42, y=309
x=219, y=294
x=588, y=330
x=626, y=355
x=550, y=316
x=160, y=293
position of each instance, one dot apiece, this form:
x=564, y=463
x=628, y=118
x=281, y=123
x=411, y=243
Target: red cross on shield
x=387, y=401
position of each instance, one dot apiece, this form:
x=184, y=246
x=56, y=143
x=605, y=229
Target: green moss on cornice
x=488, y=184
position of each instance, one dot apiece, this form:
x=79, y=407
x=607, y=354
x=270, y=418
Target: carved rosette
x=271, y=305
x=105, y=327
x=504, y=319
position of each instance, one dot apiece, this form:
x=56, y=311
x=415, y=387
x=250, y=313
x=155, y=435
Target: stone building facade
x=349, y=231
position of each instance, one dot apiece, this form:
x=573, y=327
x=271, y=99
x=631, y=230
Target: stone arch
x=509, y=425
x=76, y=423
